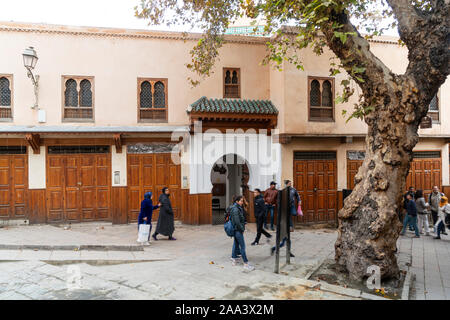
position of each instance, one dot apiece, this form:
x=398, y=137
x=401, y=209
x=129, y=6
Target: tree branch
x=355, y=52
x=408, y=18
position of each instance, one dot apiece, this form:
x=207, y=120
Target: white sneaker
x=249, y=267
x=234, y=261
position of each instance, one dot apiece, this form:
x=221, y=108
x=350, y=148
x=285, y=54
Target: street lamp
x=30, y=59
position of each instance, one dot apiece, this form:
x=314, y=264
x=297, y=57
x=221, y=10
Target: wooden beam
x=118, y=142
x=33, y=140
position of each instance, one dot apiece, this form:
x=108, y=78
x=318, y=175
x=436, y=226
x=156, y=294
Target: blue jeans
x=270, y=209
x=440, y=228
x=411, y=221
x=239, y=244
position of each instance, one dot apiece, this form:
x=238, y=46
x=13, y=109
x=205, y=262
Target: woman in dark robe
x=146, y=213
x=165, y=224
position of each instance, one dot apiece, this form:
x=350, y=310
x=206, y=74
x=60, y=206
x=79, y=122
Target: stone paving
x=196, y=266
x=429, y=261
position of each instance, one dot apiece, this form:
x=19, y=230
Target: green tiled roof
x=233, y=106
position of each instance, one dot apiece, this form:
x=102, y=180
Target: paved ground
x=430, y=262
x=196, y=266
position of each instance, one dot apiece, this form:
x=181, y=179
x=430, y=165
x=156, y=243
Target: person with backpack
x=260, y=213
x=238, y=221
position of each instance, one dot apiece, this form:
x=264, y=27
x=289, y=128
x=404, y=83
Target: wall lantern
x=30, y=59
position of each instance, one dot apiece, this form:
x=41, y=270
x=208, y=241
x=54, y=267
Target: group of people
x=418, y=210
x=165, y=225
x=263, y=205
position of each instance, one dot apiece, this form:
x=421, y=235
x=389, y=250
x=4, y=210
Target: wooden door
x=316, y=183
x=424, y=173
x=352, y=170
x=78, y=187
x=152, y=172
x=13, y=186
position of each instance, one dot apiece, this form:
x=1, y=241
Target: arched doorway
x=229, y=177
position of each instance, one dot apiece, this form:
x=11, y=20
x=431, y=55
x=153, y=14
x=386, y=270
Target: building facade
x=116, y=117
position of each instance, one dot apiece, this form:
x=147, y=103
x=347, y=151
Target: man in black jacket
x=411, y=215
x=260, y=213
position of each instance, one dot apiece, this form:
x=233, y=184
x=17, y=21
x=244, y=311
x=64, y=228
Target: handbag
x=299, y=211
x=144, y=232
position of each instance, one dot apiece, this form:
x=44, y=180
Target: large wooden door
x=424, y=172
x=152, y=172
x=78, y=187
x=316, y=183
x=13, y=186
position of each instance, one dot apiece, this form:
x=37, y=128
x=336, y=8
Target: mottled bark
x=368, y=223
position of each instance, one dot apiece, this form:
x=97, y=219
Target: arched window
x=146, y=95
x=85, y=93
x=227, y=77
x=326, y=94
x=160, y=95
x=78, y=98
x=433, y=109
x=152, y=100
x=5, y=92
x=314, y=94
x=321, y=99
x=231, y=83
x=71, y=94
x=234, y=80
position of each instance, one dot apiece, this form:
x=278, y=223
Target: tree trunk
x=368, y=223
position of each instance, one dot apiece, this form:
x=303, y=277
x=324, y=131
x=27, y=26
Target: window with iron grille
x=77, y=149
x=321, y=99
x=78, y=104
x=426, y=154
x=152, y=100
x=433, y=109
x=314, y=155
x=231, y=83
x=13, y=150
x=5, y=97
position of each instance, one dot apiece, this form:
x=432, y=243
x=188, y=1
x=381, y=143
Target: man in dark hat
x=270, y=199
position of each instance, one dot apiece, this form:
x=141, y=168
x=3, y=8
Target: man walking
x=260, y=214
x=270, y=200
x=434, y=200
x=411, y=215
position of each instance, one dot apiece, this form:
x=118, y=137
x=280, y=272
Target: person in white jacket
x=444, y=208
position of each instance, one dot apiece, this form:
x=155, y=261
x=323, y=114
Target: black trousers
x=434, y=215
x=260, y=229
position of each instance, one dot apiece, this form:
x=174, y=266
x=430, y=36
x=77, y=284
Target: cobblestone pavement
x=196, y=266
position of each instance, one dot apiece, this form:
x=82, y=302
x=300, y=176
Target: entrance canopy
x=225, y=114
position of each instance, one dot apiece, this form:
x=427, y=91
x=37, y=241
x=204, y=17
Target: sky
x=95, y=13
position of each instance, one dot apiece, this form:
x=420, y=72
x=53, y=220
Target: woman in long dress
x=165, y=224
x=146, y=213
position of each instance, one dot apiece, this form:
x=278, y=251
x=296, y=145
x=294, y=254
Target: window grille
x=312, y=155
x=77, y=149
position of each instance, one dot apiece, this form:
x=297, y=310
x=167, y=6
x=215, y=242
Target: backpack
x=228, y=226
x=227, y=213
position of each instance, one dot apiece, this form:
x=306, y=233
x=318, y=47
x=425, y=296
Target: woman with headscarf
x=165, y=224
x=444, y=208
x=146, y=213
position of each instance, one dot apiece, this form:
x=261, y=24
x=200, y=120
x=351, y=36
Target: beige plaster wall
x=116, y=63
x=119, y=163
x=295, y=106
x=36, y=169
